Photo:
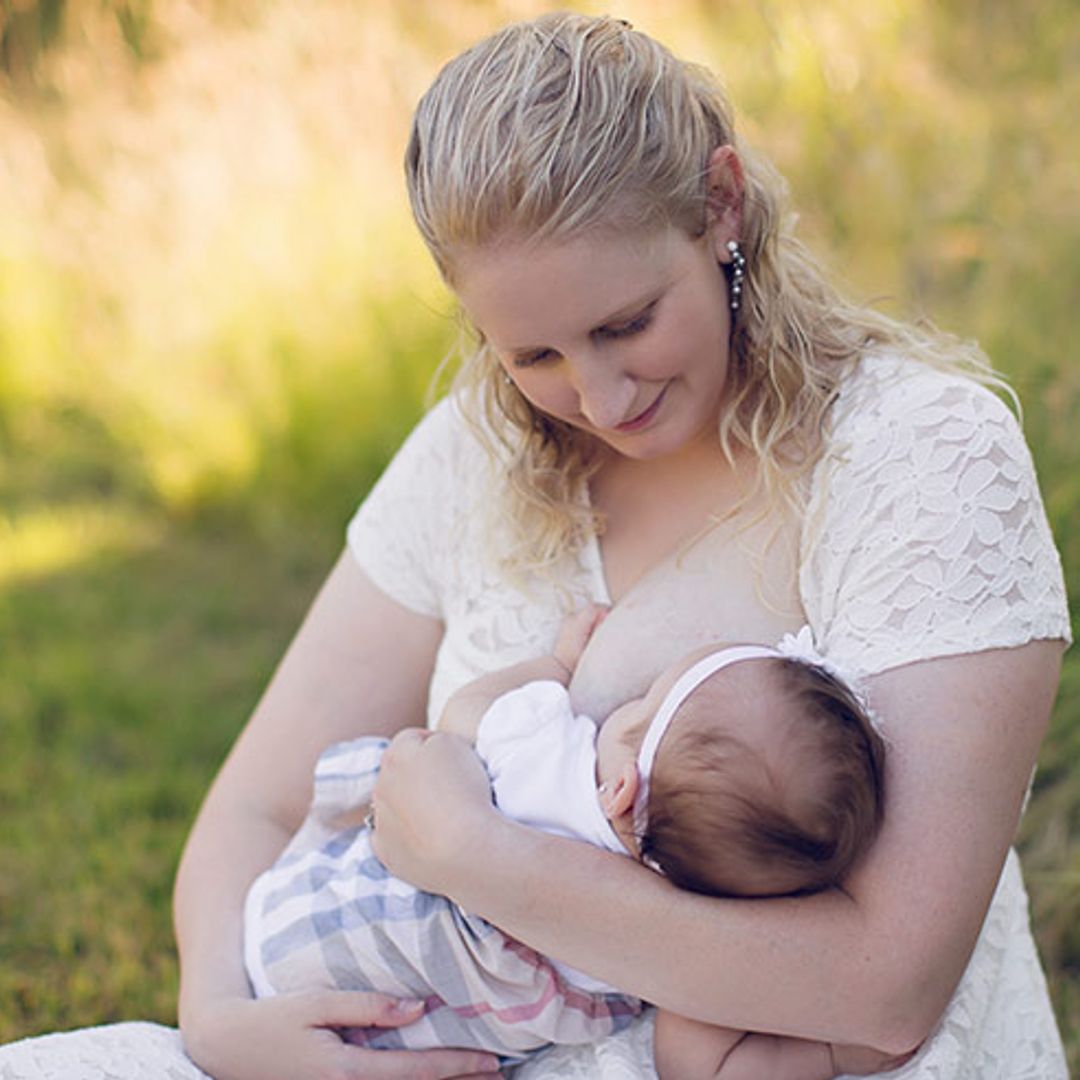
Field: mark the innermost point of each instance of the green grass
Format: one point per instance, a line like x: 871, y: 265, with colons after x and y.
x: 127, y: 666
x: 124, y: 682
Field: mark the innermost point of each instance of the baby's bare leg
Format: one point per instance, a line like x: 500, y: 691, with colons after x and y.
x: 690, y: 1050
x: 778, y: 1058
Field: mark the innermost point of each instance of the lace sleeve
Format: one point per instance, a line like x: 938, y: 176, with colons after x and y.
x: 926, y: 534
x: 401, y: 535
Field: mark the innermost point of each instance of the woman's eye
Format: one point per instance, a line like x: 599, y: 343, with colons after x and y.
x: 633, y: 326
x: 611, y: 332
x: 537, y: 357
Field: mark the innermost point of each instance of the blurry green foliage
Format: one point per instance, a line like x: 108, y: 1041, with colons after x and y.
x: 26, y: 31
x: 30, y: 29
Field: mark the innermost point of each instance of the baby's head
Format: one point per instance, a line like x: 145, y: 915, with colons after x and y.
x: 744, y: 773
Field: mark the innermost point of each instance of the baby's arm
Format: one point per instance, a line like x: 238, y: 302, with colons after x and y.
x: 691, y: 1050
x: 465, y: 708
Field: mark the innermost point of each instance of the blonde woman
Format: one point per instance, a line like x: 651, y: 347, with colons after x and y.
x: 667, y: 410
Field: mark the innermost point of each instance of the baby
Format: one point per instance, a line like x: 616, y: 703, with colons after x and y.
x: 744, y: 771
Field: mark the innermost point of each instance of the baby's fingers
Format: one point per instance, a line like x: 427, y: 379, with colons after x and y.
x: 575, y: 633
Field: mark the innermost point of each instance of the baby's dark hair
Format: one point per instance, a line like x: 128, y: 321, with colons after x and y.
x: 785, y: 800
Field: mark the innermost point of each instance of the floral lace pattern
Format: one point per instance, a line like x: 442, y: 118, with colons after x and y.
x: 110, y: 1052
x: 925, y: 536
x: 420, y: 535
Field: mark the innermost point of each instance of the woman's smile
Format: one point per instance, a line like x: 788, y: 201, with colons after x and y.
x: 646, y: 416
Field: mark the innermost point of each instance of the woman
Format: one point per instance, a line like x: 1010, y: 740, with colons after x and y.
x: 668, y: 410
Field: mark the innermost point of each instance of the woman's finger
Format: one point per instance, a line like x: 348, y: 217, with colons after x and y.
x: 357, y: 1008
x: 432, y: 797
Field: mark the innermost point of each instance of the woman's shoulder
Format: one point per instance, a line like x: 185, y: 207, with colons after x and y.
x: 445, y: 447
x: 412, y: 527
x: 926, y: 533
x: 894, y: 409
x: 893, y: 386
x: 444, y: 425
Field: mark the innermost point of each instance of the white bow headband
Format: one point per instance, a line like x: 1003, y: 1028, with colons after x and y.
x: 683, y: 687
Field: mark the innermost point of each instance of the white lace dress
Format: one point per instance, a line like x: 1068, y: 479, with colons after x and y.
x: 925, y: 537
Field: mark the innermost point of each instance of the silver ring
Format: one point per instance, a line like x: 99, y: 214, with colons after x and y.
x: 369, y: 817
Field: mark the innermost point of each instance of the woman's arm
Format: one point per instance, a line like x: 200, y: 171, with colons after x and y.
x: 360, y: 664
x: 873, y: 965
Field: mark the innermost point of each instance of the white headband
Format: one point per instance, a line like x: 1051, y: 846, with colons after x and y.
x: 684, y: 686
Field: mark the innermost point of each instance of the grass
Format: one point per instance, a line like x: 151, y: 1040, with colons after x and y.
x: 216, y: 324
x: 124, y: 680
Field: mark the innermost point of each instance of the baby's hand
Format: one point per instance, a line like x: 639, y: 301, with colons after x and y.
x: 575, y: 632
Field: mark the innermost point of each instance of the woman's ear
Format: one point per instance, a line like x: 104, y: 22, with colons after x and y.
x: 724, y: 199
x: 617, y: 795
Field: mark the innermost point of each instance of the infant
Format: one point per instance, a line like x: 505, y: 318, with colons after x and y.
x: 744, y: 771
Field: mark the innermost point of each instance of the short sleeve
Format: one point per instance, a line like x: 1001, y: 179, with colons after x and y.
x: 926, y: 534
x: 541, y: 758
x: 401, y: 536
x: 514, y: 721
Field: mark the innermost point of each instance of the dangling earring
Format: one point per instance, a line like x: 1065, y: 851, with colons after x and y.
x: 738, y: 273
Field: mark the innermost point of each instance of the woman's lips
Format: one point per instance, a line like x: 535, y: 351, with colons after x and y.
x: 643, y: 419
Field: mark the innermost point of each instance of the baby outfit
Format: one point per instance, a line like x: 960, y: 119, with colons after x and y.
x: 329, y: 914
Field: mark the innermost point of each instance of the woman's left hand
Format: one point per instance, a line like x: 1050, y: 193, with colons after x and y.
x: 432, y: 803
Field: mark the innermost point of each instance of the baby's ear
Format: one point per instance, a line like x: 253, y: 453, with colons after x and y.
x: 617, y: 796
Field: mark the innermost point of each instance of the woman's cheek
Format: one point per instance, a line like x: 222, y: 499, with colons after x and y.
x: 549, y: 397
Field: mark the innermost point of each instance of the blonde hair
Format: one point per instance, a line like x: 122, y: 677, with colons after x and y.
x: 568, y: 123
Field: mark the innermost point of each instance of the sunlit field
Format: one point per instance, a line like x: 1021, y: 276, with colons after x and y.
x: 216, y: 323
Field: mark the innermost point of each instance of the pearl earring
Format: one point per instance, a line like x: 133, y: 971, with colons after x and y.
x: 738, y: 273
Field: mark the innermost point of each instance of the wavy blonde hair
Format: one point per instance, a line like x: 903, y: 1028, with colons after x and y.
x: 566, y: 124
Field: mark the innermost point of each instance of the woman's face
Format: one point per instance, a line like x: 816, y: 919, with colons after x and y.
x: 623, y: 337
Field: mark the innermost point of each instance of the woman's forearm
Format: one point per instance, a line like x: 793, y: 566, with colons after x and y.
x: 227, y: 849
x: 359, y: 665
x: 793, y: 966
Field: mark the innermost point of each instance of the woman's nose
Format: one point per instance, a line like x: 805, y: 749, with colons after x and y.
x: 605, y: 393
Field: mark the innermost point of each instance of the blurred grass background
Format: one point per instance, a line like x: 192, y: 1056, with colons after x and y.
x: 216, y: 323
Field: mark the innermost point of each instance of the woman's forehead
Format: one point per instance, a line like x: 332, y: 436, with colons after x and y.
x: 515, y: 289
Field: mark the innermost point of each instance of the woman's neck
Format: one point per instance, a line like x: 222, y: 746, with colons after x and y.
x: 652, y: 508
